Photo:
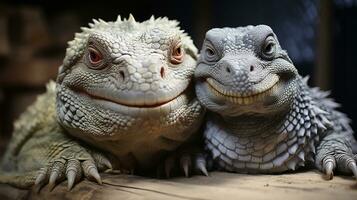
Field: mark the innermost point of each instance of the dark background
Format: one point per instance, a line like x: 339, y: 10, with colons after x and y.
x: 320, y: 36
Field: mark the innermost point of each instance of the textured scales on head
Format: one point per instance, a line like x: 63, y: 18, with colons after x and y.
x: 76, y: 46
x: 233, y: 54
x: 265, y: 117
x: 125, y: 87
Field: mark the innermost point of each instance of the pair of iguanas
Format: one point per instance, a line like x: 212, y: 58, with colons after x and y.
x: 125, y: 99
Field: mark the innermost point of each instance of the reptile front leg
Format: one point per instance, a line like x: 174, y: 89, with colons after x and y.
x: 73, y: 163
x: 335, y: 154
x: 59, y: 157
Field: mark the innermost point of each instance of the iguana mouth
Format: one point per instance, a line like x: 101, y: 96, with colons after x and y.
x: 164, y: 105
x: 122, y: 103
x: 263, y: 89
x: 155, y: 105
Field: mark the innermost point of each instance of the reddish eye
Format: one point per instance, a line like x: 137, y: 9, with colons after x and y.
x: 94, y: 56
x: 177, y: 54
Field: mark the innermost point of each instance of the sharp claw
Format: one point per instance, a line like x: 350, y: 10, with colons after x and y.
x: 201, y: 166
x: 52, y: 181
x: 94, y: 173
x: 38, y: 187
x: 40, y: 178
x: 71, y: 176
x: 353, y: 167
x: 329, y: 170
x: 329, y: 164
x: 185, y: 169
x: 107, y: 164
x: 185, y: 163
x: 39, y: 182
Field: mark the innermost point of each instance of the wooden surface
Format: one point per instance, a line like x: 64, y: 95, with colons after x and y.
x: 305, y: 185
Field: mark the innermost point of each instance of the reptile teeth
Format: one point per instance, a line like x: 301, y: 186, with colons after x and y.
x: 240, y: 99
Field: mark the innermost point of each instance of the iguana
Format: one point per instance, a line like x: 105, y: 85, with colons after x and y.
x: 263, y: 117
x: 123, y: 98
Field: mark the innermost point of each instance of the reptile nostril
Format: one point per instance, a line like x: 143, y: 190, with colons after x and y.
x: 228, y: 70
x: 122, y: 74
x: 251, y: 68
x: 162, y: 72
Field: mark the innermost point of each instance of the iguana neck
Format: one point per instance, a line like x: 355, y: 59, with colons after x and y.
x: 266, y: 144
x: 246, y: 125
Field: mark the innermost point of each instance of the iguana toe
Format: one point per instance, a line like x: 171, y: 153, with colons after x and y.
x: 52, y: 181
x: 71, y: 176
x: 201, y: 164
x: 73, y: 172
x: 328, y: 166
x: 353, y: 168
x: 188, y: 160
x: 57, y: 173
x: 346, y: 164
x: 90, y: 171
x: 40, y: 179
x: 340, y: 162
x: 186, y: 164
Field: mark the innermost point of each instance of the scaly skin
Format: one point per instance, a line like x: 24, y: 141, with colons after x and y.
x: 123, y: 98
x: 39, y: 143
x: 264, y: 117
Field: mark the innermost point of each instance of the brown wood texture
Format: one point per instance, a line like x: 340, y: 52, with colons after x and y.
x: 303, y: 185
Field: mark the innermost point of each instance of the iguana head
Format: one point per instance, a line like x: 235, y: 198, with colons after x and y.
x: 125, y: 75
x: 244, y: 71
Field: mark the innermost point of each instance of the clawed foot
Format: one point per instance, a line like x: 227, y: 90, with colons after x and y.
x: 335, y: 155
x: 72, y: 165
x: 186, y: 163
x: 340, y: 162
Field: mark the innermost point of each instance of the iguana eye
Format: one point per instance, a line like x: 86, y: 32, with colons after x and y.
x: 269, y: 47
x: 95, y: 57
x: 176, y: 54
x: 210, y: 54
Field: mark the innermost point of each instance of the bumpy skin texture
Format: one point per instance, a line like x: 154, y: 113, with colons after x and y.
x: 40, y: 149
x: 123, y: 98
x: 264, y: 117
x: 137, y: 96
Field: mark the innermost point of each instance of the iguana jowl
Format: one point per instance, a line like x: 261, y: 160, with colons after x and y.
x: 265, y: 118
x: 124, y: 89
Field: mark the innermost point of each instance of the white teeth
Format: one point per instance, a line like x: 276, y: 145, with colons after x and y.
x: 263, y: 86
x: 245, y: 99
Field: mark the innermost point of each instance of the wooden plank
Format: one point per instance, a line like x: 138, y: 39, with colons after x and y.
x: 304, y: 185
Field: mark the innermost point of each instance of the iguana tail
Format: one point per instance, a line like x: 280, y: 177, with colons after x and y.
x: 20, y: 180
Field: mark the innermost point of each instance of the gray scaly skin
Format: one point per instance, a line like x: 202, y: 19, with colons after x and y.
x: 264, y: 117
x: 123, y: 98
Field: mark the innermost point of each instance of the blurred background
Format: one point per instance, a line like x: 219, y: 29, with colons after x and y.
x: 320, y: 36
